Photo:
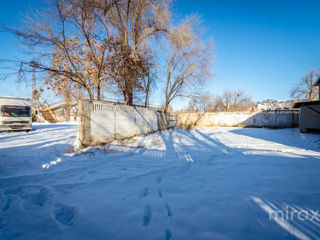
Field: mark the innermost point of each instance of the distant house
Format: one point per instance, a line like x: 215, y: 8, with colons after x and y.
x: 309, y: 117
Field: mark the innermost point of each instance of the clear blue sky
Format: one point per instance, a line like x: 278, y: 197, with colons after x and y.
x: 261, y: 47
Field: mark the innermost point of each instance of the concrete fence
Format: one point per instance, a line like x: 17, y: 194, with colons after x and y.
x: 104, y: 122
x: 271, y: 119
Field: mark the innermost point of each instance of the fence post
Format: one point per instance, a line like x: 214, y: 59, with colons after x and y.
x: 115, y: 120
x: 85, y: 126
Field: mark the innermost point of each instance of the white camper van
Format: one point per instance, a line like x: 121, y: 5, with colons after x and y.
x: 15, y: 114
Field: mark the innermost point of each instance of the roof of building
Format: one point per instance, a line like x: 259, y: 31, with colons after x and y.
x: 21, y: 103
x: 317, y: 83
x: 306, y: 103
x: 15, y: 98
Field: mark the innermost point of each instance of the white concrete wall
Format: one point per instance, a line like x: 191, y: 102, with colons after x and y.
x: 272, y: 119
x: 124, y: 122
x: 153, y: 120
x: 100, y: 114
x: 103, y: 122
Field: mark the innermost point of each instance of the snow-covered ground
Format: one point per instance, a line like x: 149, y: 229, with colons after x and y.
x: 209, y: 183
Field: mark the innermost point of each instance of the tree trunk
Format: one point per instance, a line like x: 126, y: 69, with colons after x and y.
x: 90, y: 94
x: 128, y: 94
x: 128, y: 98
x: 98, y: 92
x: 146, y: 102
x: 166, y: 106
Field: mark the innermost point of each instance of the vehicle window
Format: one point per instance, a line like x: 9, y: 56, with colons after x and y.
x: 15, y: 111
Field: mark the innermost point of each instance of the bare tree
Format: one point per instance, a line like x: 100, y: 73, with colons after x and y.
x: 189, y: 61
x: 305, y: 88
x: 193, y: 104
x: 227, y: 97
x: 133, y: 24
x: 148, y: 84
x: 240, y: 101
x: 65, y: 43
x: 218, y: 104
x: 87, y: 43
x: 200, y: 103
x: 228, y: 101
x: 205, y: 102
x: 232, y: 101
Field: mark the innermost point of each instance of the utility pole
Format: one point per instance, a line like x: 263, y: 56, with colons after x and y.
x: 34, y: 65
x: 34, y: 81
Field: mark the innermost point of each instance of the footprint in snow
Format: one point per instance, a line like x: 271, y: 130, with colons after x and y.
x: 169, y: 212
x: 167, y: 234
x: 159, y: 192
x: 144, y: 193
x: 65, y: 215
x: 3, y: 200
x: 147, y: 214
x: 92, y: 172
x: 31, y: 197
x: 158, y: 179
x: 7, y: 204
x: 41, y: 197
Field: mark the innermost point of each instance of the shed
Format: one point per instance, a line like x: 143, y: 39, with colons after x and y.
x: 317, y: 83
x: 309, y: 117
